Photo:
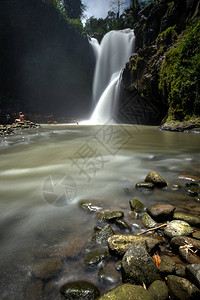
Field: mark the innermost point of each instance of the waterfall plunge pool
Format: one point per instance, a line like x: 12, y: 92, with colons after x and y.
x: 45, y: 172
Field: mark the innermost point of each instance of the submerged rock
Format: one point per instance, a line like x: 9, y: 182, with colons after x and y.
x: 156, y: 179
x: 127, y: 291
x: 161, y: 212
x: 144, y: 185
x: 136, y: 205
x: 177, y: 228
x: 102, y: 235
x: 182, y: 289
x: 34, y: 290
x: 148, y: 221
x: 120, y: 243
x: 79, y: 290
x: 192, y: 220
x: 138, y: 266
x: 47, y: 268
x: 109, y: 275
x: 93, y: 205
x: 94, y: 257
x: 158, y: 290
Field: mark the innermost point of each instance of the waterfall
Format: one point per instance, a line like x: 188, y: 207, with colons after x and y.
x: 111, y: 56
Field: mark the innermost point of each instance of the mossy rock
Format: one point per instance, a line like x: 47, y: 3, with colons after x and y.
x: 156, y: 179
x: 148, y: 221
x: 94, y: 257
x: 127, y: 291
x: 136, y: 205
x: 191, y: 219
x: 102, y: 235
x: 109, y: 216
x: 144, y: 185
x: 177, y: 228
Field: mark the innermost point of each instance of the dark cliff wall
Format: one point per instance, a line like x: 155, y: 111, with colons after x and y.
x: 147, y: 90
x: 45, y: 60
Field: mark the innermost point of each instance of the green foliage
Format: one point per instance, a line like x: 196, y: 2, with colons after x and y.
x: 168, y: 36
x: 180, y: 75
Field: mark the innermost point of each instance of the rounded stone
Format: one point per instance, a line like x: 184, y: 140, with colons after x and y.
x: 190, y: 219
x: 181, y: 288
x: 79, y: 290
x: 161, y: 212
x: 177, y: 228
x: 193, y: 273
x: 156, y: 179
x: 123, y: 225
x: 138, y: 267
x: 158, y: 290
x: 136, y: 205
x: 167, y: 265
x: 148, y: 221
x: 127, y: 291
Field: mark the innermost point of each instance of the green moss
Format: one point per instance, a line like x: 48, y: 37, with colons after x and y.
x: 136, y: 62
x: 179, y: 77
x: 168, y: 36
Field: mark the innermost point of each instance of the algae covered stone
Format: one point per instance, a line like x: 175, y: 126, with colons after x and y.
x: 144, y: 185
x: 177, y: 228
x: 156, y: 179
x: 138, y: 266
x: 136, y: 205
x: 94, y: 257
x: 148, y: 221
x: 191, y: 219
x: 127, y: 291
x: 79, y: 290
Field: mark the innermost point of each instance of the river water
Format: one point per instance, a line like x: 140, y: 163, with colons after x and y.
x: 45, y: 172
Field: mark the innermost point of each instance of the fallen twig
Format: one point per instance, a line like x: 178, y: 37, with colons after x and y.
x: 151, y: 229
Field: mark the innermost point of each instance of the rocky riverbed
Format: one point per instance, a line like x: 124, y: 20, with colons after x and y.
x: 161, y: 261
x: 8, y: 129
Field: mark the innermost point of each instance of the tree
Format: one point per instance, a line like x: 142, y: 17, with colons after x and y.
x: 74, y: 8
x: 117, y: 5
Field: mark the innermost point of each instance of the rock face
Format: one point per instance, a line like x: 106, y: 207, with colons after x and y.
x: 79, y: 290
x: 182, y: 289
x: 127, y: 291
x: 142, y: 100
x: 138, y: 267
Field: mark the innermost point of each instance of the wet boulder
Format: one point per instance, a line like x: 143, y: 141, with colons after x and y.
x: 79, y: 290
x: 190, y: 219
x: 119, y: 243
x: 148, y: 221
x: 136, y: 205
x: 161, y: 212
x: 181, y: 288
x: 138, y: 266
x: 177, y: 228
x: 156, y: 179
x: 123, y: 225
x: 158, y: 290
x: 127, y: 291
x: 102, y: 235
x: 96, y: 256
x: 109, y: 216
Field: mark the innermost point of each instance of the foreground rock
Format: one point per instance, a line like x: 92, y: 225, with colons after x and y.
x: 192, y: 220
x: 79, y: 290
x: 161, y: 212
x: 138, y: 267
x: 193, y: 273
x: 167, y: 265
x: 182, y: 289
x: 156, y: 179
x: 158, y: 290
x: 119, y: 243
x: 136, y: 205
x: 148, y: 221
x: 127, y: 291
x: 102, y: 235
x: 177, y: 228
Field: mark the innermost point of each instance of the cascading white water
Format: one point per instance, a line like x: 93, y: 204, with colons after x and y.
x: 111, y: 55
